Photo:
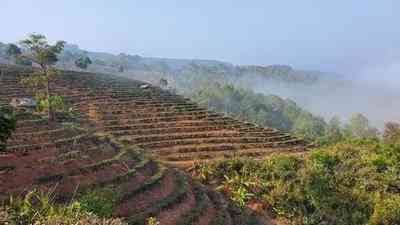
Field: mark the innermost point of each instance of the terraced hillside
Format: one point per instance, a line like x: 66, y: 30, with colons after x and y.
x: 121, y: 118
x: 169, y: 126
x: 73, y: 161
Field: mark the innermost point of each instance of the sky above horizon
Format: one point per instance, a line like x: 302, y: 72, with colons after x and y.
x: 342, y: 36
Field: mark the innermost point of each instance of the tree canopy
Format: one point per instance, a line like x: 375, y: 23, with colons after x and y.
x: 45, y: 55
x: 40, y: 51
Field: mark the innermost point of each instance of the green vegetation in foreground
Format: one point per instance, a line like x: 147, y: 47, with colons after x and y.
x: 39, y: 209
x: 349, y: 183
x: 273, y: 111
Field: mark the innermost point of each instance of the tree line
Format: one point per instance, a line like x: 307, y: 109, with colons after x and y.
x: 285, y: 114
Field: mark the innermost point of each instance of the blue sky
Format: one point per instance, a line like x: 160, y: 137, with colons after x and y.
x: 339, y: 36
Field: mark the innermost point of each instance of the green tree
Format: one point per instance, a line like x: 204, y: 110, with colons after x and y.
x: 83, y: 62
x: 359, y: 127
x: 391, y: 134
x: 7, y: 126
x: 333, y: 133
x: 43, y: 54
x: 309, y: 127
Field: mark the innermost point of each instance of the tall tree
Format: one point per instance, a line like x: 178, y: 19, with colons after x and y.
x: 40, y: 52
x: 359, y: 127
x: 391, y: 134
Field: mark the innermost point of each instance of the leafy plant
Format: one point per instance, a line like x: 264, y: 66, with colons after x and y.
x: 238, y: 188
x: 202, y: 171
x: 57, y: 104
x: 387, y: 211
x: 39, y: 208
x: 152, y: 221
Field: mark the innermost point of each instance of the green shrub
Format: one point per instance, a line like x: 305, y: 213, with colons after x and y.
x: 100, y: 202
x: 386, y: 211
x: 38, y: 208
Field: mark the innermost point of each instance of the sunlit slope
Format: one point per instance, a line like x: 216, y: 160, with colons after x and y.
x: 70, y: 160
x: 121, y: 120
x: 172, y: 128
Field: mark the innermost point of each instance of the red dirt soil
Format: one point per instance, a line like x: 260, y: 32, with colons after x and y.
x: 146, y: 198
x: 173, y: 214
x: 208, y: 215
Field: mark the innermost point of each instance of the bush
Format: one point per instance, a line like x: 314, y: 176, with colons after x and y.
x: 386, y: 211
x: 351, y: 183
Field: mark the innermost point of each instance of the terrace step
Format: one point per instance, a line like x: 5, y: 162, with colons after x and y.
x: 237, y: 139
x: 222, y: 214
x: 254, y: 153
x: 172, y: 207
x: 170, y: 129
x: 210, y: 147
x: 50, y: 165
x: 183, y: 123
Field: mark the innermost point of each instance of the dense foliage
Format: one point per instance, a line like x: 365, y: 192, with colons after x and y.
x: 271, y: 111
x: 354, y: 182
x: 7, y: 125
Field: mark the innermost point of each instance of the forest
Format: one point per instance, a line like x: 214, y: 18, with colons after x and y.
x: 283, y: 114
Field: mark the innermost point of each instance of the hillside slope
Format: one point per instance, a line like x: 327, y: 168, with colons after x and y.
x: 172, y: 129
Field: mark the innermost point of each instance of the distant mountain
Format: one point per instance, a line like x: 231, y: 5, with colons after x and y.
x: 124, y: 63
x: 106, y: 62
x: 324, y: 94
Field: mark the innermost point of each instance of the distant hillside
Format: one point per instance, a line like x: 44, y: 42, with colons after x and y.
x: 109, y: 63
x: 321, y: 93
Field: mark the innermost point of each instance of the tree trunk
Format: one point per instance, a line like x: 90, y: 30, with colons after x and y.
x: 48, y: 95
